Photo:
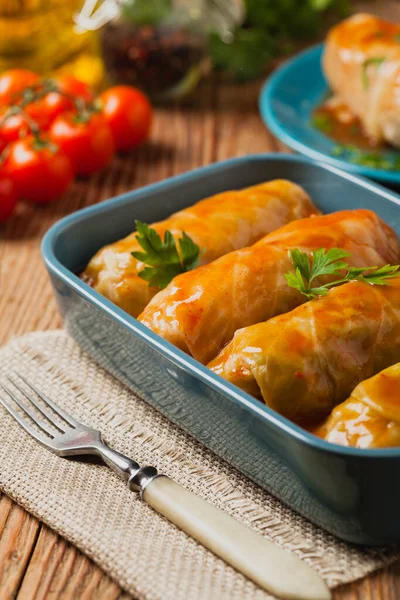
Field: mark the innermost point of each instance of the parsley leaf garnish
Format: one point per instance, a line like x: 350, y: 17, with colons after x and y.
x: 162, y: 259
x: 329, y: 262
x: 377, y: 60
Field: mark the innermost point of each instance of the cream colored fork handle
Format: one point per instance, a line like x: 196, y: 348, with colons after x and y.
x: 272, y: 568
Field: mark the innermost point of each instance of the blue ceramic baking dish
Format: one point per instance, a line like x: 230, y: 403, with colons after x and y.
x: 354, y: 494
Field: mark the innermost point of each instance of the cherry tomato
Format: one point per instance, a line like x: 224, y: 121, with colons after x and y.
x: 8, y: 197
x: 13, y: 128
x: 47, y: 109
x: 74, y: 87
x: 41, y: 172
x: 128, y: 113
x: 14, y: 81
x: 89, y: 145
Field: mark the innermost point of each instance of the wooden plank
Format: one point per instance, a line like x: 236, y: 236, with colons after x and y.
x: 18, y: 533
x: 381, y: 585
x: 57, y: 571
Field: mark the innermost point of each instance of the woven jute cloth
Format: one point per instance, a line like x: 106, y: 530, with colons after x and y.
x: 92, y: 508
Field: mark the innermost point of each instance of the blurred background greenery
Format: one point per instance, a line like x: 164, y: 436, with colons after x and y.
x: 272, y: 28
x: 161, y: 46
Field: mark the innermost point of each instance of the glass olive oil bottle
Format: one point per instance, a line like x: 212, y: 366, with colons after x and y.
x: 41, y: 35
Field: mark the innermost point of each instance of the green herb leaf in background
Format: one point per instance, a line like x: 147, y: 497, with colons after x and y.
x: 322, y: 122
x: 377, y: 60
x: 162, y: 259
x: 270, y: 29
x: 245, y: 57
x: 319, y: 5
x: 145, y: 12
x: 373, y: 160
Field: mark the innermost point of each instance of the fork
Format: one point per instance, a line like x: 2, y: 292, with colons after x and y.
x: 269, y: 566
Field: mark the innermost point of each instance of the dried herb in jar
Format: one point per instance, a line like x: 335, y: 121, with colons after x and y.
x: 153, y: 47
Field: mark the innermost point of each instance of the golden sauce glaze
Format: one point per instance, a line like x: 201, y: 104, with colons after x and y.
x: 199, y: 311
x: 309, y: 360
x: 370, y: 418
x: 218, y: 225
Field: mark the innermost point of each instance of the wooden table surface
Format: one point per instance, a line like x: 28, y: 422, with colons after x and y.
x: 36, y: 563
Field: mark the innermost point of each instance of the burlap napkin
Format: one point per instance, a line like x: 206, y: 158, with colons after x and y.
x: 93, y: 509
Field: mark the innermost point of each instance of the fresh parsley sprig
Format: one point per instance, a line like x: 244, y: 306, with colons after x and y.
x: 330, y: 262
x: 162, y: 258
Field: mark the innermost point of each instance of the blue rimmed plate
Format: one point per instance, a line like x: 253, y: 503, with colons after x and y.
x: 287, y: 101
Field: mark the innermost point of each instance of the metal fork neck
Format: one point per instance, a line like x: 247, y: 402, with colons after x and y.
x: 137, y: 478
x: 123, y: 466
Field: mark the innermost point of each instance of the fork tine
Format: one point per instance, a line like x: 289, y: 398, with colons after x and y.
x: 46, y: 413
x: 28, y: 411
x: 61, y: 413
x: 25, y: 425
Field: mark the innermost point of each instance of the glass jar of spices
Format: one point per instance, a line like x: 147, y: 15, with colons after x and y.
x: 158, y: 46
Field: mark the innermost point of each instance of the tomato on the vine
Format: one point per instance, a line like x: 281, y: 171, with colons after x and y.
x: 129, y: 115
x: 8, y: 197
x: 86, y: 139
x: 40, y: 170
x: 14, y: 81
x: 14, y: 127
x: 48, y: 108
x: 73, y: 87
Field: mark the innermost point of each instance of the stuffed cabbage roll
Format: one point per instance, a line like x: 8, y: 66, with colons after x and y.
x: 200, y: 311
x: 307, y: 361
x: 362, y: 65
x: 370, y: 418
x: 218, y: 225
